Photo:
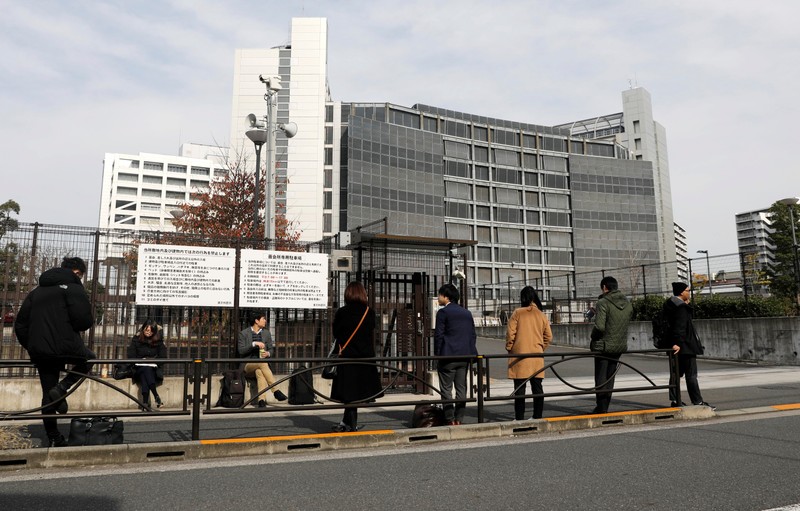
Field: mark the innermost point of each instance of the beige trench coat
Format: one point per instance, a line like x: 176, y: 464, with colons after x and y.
x: 528, y: 332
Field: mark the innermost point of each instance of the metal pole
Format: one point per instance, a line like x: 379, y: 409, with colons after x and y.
x: 197, y: 373
x: 480, y: 388
x: 269, y: 186
x: 256, y: 189
x: 710, y: 277
x: 795, y: 261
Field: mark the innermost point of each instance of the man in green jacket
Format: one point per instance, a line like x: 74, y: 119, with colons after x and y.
x: 609, y: 339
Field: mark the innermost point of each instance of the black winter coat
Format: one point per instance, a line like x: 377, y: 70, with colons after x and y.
x: 355, y: 382
x: 52, y: 316
x: 139, y: 348
x: 679, y: 316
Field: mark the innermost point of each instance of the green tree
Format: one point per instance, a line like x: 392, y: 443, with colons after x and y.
x: 7, y: 223
x: 781, y: 272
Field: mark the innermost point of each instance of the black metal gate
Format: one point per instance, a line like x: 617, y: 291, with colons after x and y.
x: 402, y: 305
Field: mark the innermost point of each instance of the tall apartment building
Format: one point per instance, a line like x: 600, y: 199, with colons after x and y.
x: 682, y: 253
x: 302, y: 66
x: 753, y: 229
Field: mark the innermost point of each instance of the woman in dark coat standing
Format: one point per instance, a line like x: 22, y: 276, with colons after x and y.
x: 148, y: 343
x: 355, y: 382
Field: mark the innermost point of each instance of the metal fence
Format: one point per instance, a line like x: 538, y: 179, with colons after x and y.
x: 567, y: 296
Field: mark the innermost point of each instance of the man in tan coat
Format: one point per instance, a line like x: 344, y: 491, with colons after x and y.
x: 528, y: 332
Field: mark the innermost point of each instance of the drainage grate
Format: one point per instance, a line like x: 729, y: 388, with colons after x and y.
x: 423, y: 437
x: 528, y: 429
x: 13, y: 463
x: 664, y: 417
x: 165, y: 454
x: 610, y: 422
x: 297, y: 447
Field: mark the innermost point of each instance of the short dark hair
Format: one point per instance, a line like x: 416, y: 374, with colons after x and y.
x: 254, y: 316
x: 450, y: 292
x: 609, y: 283
x: 355, y: 292
x: 74, y: 263
x: 529, y: 296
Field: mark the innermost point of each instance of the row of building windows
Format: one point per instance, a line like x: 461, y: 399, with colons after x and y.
x: 508, y: 236
x: 518, y: 256
x: 510, y: 196
x: 504, y: 175
x: 507, y: 215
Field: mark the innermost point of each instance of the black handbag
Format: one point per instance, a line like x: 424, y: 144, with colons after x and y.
x: 122, y: 371
x: 95, y: 431
x: 329, y: 372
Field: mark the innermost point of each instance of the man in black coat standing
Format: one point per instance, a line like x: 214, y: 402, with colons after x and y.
x: 685, y: 342
x: 454, y: 336
x: 49, y: 326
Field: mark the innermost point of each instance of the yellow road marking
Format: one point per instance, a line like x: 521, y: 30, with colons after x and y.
x: 309, y: 436
x: 612, y: 414
x: 795, y: 406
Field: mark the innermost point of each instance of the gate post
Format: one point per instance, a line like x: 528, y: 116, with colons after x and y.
x: 419, y: 330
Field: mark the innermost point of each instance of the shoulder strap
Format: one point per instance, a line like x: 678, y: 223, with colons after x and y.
x: 341, y: 349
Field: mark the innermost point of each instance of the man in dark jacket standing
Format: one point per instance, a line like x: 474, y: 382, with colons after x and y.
x: 49, y: 326
x: 609, y: 339
x: 685, y: 342
x: 454, y: 336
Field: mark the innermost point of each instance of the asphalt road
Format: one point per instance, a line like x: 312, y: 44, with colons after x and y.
x: 744, y: 463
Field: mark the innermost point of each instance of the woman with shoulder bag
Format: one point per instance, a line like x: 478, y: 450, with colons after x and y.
x: 148, y: 344
x: 353, y: 329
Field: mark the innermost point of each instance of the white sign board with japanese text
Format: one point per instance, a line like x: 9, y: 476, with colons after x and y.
x: 185, y: 276
x: 293, y: 280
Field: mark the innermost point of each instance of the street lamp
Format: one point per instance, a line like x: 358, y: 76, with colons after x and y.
x: 791, y: 202
x: 261, y: 132
x: 258, y: 135
x: 708, y: 268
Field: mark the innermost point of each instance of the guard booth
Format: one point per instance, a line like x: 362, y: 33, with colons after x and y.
x: 402, y: 275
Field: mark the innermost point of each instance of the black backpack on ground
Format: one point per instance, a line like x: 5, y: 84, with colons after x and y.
x: 301, y: 387
x: 232, y: 392
x: 661, y: 331
x: 427, y: 416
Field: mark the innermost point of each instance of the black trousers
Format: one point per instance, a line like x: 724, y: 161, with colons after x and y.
x: 605, y: 368
x: 351, y: 418
x: 519, y: 403
x: 687, y: 366
x: 49, y: 371
x: 146, y: 376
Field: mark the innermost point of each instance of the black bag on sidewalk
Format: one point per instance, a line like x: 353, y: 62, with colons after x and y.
x: 301, y: 387
x: 122, y: 371
x: 232, y: 389
x: 95, y: 431
x: 427, y: 416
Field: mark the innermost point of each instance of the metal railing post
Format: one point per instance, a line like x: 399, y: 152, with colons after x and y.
x: 676, y: 373
x: 197, y: 371
x: 480, y: 388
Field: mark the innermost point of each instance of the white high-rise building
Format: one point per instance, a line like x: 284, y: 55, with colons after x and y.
x: 302, y: 66
x: 646, y: 139
x: 139, y: 191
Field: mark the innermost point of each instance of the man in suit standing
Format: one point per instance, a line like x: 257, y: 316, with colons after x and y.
x: 454, y: 336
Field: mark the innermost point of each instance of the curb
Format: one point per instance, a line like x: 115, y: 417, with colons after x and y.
x: 225, y: 448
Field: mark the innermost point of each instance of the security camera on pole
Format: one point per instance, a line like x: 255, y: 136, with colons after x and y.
x: 262, y: 131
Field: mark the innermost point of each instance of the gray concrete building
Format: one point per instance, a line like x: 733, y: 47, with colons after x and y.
x: 543, y: 206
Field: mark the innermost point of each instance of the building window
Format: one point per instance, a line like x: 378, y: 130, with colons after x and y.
x: 176, y: 195
x: 507, y: 176
x: 507, y: 196
x: 456, y: 129
x: 532, y: 199
x: 458, y: 210
x: 153, y: 180
x: 456, y: 168
x: 532, y: 217
x: 122, y: 176
x: 530, y: 161
x: 456, y: 150
x: 482, y: 193
x: 636, y: 126
x: 508, y: 215
x: 481, y: 173
x: 481, y: 154
x: 150, y: 165
x: 202, y: 185
x: 201, y: 171
x: 559, y: 258
x: 329, y: 113
x: 329, y: 134
x: 327, y: 178
x: 151, y: 193
x: 480, y: 133
x: 637, y: 143
x: 124, y: 190
x: 535, y: 238
x: 134, y: 164
x: 458, y: 231
x: 483, y: 213
x: 327, y: 199
x: 553, y: 181
x: 531, y: 179
x: 430, y: 124
x: 220, y: 172
x: 506, y: 157
x: 484, y: 234
x: 556, y: 201
x: 554, y: 163
x: 484, y: 254
x: 559, y: 239
x: 556, y: 219
x: 509, y: 255
x: 327, y: 222
x: 534, y: 257
x: 456, y: 190
x: 505, y: 137
x: 509, y: 236
x: 328, y: 156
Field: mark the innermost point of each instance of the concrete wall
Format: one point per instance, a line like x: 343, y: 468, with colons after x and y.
x: 769, y: 341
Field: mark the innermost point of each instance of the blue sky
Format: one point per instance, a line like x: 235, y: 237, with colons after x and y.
x: 84, y: 78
